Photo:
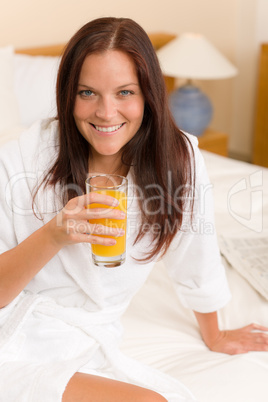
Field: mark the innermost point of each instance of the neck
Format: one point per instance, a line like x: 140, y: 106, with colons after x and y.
x: 107, y: 165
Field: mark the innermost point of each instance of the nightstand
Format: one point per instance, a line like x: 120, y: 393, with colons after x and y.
x: 214, y: 141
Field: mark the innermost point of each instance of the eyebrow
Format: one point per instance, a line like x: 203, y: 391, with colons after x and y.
x: 120, y: 87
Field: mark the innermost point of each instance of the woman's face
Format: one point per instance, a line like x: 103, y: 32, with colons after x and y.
x: 109, y: 104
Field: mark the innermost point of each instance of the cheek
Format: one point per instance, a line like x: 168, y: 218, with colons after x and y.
x: 135, y: 112
x: 81, y: 109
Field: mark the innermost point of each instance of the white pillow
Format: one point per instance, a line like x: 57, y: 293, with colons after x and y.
x: 9, y: 113
x: 35, y: 86
x: 10, y: 134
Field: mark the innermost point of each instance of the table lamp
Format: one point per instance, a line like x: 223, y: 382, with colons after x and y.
x: 192, y: 56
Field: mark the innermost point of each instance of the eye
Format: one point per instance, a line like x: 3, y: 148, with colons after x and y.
x: 86, y: 93
x: 126, y: 92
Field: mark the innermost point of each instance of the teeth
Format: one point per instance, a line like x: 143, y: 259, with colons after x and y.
x: 108, y: 129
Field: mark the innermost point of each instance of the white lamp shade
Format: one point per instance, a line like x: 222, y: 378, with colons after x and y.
x: 193, y: 56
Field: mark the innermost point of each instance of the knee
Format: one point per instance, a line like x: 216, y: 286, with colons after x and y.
x: 158, y: 398
x: 152, y: 396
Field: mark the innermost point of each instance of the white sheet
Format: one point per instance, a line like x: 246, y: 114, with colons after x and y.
x: 162, y: 333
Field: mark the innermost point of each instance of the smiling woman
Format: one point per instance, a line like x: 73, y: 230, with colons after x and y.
x: 116, y: 74
x: 109, y: 108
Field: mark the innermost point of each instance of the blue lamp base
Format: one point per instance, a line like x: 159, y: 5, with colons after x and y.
x: 191, y: 109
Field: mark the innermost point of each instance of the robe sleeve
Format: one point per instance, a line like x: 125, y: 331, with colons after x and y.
x: 7, y: 233
x: 193, y: 260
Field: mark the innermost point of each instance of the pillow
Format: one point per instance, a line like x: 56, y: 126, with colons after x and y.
x: 35, y: 86
x: 10, y: 134
x: 9, y: 112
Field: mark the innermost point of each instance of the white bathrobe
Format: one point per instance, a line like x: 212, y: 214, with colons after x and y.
x: 67, y: 319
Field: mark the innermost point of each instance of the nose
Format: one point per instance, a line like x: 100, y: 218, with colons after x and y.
x: 106, y: 108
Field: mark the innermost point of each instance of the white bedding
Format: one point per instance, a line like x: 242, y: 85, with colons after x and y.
x: 158, y: 330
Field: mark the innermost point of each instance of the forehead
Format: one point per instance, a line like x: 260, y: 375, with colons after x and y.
x: 111, y: 63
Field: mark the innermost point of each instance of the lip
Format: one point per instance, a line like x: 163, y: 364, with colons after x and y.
x: 106, y: 131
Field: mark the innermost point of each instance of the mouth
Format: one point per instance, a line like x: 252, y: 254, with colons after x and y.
x: 110, y: 129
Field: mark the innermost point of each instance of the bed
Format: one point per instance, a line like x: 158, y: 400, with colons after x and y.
x: 159, y: 331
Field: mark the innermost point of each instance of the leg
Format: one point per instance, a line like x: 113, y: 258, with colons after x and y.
x: 91, y: 388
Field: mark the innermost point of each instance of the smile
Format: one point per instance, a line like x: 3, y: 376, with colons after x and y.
x: 108, y: 129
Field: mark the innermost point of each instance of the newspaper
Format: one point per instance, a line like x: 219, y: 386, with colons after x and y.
x: 249, y: 256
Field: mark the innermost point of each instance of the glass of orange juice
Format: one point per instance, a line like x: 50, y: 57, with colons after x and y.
x: 116, y: 186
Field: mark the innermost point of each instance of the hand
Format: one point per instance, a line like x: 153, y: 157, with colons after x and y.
x: 72, y: 225
x: 241, y: 340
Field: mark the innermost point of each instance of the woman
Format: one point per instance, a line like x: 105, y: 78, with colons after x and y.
x: 60, y: 314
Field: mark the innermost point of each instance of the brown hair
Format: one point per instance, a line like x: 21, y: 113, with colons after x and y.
x: 159, y: 153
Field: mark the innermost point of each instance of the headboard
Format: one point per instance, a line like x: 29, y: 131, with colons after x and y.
x: 260, y: 152
x: 158, y: 40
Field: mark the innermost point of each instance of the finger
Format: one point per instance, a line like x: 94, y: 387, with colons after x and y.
x: 260, y: 337
x: 98, y: 213
x: 103, y: 241
x: 84, y: 227
x: 255, y: 327
x: 88, y: 238
x: 77, y: 204
x: 259, y: 327
x: 100, y: 199
x: 257, y: 347
x: 105, y: 230
x: 256, y: 342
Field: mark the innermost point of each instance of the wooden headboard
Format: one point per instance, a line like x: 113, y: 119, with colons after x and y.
x: 158, y: 40
x: 260, y: 151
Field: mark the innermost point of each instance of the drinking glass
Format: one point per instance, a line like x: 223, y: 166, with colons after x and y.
x: 115, y: 186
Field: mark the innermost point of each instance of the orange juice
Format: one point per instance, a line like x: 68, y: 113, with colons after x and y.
x: 119, y: 247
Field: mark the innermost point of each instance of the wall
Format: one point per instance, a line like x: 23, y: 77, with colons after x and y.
x: 262, y: 26
x: 26, y: 23
x: 245, y: 84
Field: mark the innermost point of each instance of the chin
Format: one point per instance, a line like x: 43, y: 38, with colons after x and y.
x: 108, y: 152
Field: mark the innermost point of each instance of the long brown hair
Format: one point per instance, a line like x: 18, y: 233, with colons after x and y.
x: 159, y: 153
